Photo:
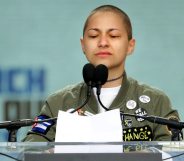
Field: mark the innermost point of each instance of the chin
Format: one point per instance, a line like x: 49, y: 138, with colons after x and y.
x: 100, y: 62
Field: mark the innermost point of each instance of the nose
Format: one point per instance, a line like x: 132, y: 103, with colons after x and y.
x: 103, y: 41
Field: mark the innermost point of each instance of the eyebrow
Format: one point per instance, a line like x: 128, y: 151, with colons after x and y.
x: 96, y: 29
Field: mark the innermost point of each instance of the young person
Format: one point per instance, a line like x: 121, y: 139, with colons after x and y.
x: 107, y: 39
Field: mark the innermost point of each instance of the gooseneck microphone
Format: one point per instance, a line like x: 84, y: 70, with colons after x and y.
x: 100, y: 78
x: 88, y: 76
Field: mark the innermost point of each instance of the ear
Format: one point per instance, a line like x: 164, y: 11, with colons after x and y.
x: 131, y: 46
x: 82, y: 44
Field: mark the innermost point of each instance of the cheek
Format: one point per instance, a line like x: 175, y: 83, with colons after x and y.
x: 122, y: 48
x: 119, y: 49
x: 89, y: 48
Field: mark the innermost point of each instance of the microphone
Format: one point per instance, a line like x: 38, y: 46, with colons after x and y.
x: 159, y: 120
x: 13, y: 126
x: 100, y: 78
x: 88, y: 76
x: 23, y: 122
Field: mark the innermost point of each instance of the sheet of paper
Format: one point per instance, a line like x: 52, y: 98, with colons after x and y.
x: 103, y: 127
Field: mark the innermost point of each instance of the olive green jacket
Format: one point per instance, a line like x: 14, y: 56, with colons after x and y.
x: 133, y: 98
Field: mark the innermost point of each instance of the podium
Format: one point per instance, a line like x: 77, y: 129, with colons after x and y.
x: 95, y: 157
x: 108, y: 151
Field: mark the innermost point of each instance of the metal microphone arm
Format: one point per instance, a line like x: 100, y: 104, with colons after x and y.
x: 159, y: 120
x: 14, y: 126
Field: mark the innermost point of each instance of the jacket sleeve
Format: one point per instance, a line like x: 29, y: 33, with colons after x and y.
x: 41, y: 132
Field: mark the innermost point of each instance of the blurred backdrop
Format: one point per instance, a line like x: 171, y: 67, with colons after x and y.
x: 40, y: 50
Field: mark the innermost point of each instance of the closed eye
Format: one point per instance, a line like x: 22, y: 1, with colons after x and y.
x: 114, y: 36
x: 93, y: 36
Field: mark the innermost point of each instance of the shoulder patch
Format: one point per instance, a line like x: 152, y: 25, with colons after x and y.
x: 42, y: 127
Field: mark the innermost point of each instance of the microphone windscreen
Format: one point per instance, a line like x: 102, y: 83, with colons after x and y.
x: 88, y: 72
x: 101, y: 74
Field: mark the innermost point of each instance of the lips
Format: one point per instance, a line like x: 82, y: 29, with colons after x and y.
x: 103, y: 53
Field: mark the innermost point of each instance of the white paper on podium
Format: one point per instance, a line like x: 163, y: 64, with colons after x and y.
x: 103, y: 127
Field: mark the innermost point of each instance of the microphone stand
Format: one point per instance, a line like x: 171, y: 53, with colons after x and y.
x: 14, y: 126
x: 89, y: 90
x: 86, y: 101
x: 160, y: 120
x: 99, y: 100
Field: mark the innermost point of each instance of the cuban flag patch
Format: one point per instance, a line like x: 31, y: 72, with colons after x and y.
x: 42, y: 127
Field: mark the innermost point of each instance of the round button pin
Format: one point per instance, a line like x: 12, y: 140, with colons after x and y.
x: 131, y: 104
x: 144, y: 99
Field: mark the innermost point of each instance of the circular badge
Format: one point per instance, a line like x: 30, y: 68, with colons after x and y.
x: 131, y: 104
x: 140, y: 112
x: 144, y: 99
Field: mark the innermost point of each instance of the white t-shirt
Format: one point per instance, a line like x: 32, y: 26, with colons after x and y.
x: 107, y: 96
